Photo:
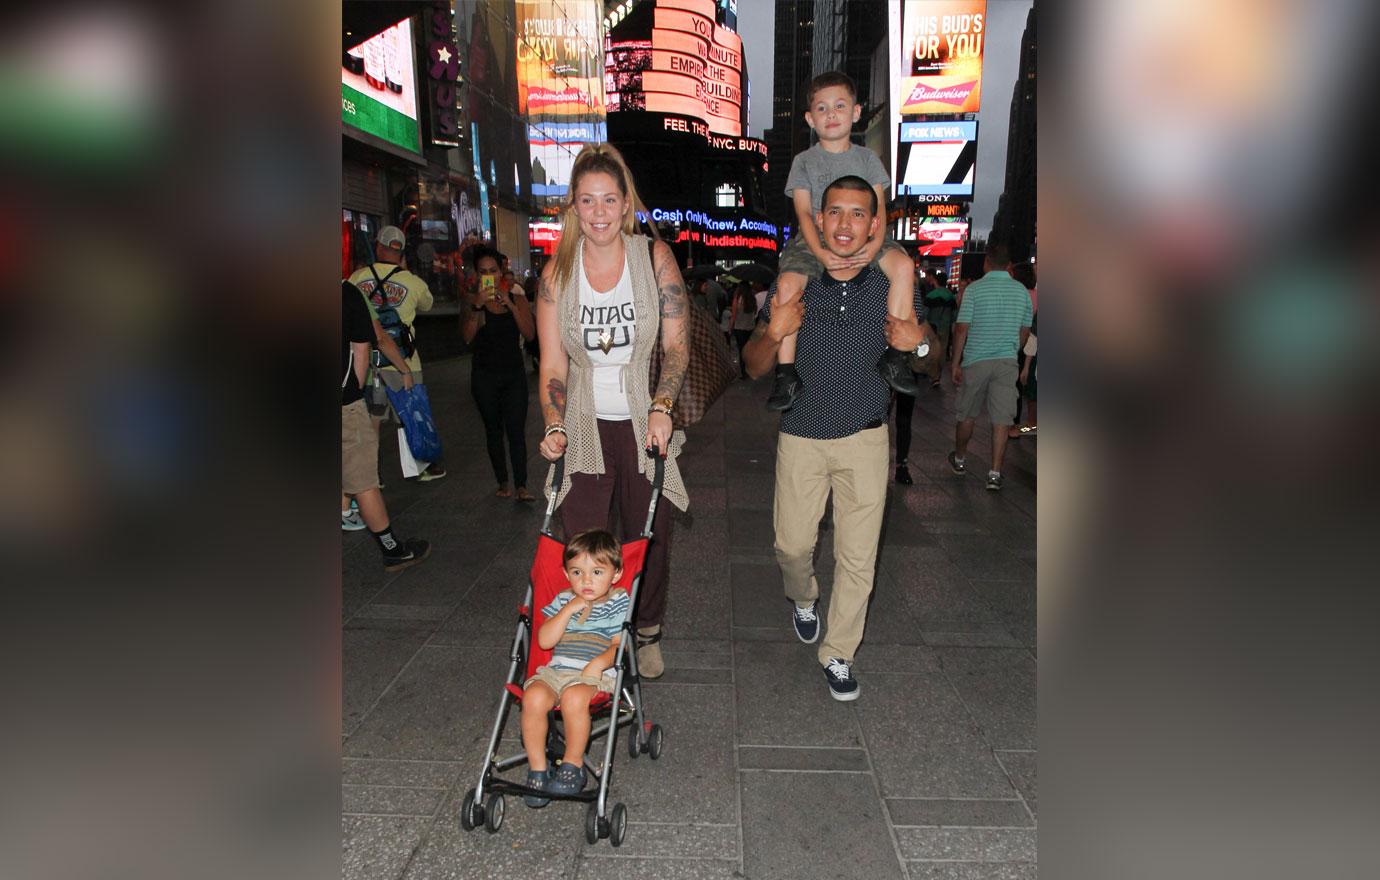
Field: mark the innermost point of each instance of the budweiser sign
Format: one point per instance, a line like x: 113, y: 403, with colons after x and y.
x: 939, y: 94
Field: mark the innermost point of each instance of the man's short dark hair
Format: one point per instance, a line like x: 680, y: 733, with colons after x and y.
x: 853, y: 182
x: 827, y: 81
x: 998, y: 254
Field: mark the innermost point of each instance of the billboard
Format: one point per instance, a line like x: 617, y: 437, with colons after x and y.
x: 936, y: 159
x: 560, y: 82
x: 560, y: 63
x: 691, y: 67
x: 943, y: 237
x: 941, y: 56
x: 378, y: 87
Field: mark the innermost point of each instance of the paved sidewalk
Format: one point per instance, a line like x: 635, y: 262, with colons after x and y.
x: 930, y: 774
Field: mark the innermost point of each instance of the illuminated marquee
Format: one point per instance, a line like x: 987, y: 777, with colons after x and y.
x: 701, y: 228
x: 695, y: 68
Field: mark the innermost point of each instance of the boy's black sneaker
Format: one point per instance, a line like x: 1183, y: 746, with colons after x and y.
x: 407, y: 554
x: 894, y: 368
x: 806, y: 621
x: 842, y: 685
x: 785, y: 389
x: 903, y: 475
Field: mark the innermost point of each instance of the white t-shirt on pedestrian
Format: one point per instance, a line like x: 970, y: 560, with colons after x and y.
x: 608, y: 328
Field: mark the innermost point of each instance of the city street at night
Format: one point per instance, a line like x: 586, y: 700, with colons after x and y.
x: 930, y: 774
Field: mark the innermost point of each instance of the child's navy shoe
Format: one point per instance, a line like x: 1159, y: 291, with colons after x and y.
x: 540, y: 780
x: 568, y: 779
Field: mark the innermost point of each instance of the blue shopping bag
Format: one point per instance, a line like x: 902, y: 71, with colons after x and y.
x: 414, y: 408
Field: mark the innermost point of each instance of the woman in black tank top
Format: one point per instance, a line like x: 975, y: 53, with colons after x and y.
x: 497, y: 319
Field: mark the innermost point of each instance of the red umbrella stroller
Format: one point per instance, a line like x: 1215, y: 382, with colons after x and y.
x: 484, y: 804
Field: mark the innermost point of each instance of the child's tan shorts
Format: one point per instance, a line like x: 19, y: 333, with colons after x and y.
x: 560, y: 679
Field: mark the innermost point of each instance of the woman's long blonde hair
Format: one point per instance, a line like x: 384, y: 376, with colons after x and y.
x: 593, y: 158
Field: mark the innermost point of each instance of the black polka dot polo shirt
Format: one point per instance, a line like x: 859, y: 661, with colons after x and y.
x: 842, y: 336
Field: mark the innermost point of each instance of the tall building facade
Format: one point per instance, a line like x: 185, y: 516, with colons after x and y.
x: 1014, y: 221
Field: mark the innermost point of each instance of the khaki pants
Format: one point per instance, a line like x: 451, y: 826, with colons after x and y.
x: 855, y: 468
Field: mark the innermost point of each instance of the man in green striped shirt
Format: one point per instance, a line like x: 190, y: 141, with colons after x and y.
x: 992, y: 325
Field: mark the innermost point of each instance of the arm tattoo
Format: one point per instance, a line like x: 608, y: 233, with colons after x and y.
x: 554, y: 409
x: 673, y: 365
x: 758, y: 331
x: 669, y: 289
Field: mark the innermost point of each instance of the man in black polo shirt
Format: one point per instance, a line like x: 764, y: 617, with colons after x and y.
x: 835, y: 438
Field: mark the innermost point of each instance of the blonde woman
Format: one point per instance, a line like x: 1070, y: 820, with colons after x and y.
x: 607, y: 299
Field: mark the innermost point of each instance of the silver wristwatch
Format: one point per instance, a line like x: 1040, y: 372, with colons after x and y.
x: 922, y: 349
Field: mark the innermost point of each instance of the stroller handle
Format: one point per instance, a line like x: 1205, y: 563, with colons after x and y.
x: 659, y: 464
x: 557, y: 476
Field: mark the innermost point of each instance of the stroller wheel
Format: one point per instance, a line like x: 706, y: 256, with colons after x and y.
x: 592, y: 824
x: 471, y: 813
x: 618, y: 822
x: 655, y: 742
x: 634, y: 742
x: 493, y: 811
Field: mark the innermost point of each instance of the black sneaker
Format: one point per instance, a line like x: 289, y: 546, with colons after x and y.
x: 806, y: 621
x: 903, y: 475
x: 993, y: 481
x: 842, y: 685
x: 537, y: 779
x: 407, y: 554
x: 894, y: 368
x: 957, y: 465
x: 785, y: 389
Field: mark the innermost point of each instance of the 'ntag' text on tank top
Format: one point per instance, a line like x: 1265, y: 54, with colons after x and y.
x: 607, y: 327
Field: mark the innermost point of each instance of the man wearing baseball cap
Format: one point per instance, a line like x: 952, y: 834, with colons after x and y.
x: 396, y: 295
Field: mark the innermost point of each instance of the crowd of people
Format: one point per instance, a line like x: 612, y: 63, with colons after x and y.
x: 848, y: 330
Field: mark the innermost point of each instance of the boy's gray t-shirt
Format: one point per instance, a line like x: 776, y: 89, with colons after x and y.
x: 816, y: 168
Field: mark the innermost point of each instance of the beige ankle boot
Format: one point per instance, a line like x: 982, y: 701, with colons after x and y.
x: 649, y: 661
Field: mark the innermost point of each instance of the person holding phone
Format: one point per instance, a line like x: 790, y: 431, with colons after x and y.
x: 496, y: 321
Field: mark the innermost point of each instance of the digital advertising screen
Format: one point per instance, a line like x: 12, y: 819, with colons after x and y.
x: 942, y: 237
x: 560, y: 62
x: 378, y: 87
x: 560, y: 78
x: 936, y: 159
x: 691, y: 67
x: 941, y: 56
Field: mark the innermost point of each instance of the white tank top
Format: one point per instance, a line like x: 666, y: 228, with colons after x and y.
x: 608, y: 328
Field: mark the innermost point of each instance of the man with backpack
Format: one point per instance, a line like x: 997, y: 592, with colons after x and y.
x: 397, y: 295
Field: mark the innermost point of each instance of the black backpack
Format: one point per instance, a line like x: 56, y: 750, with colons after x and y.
x: 389, y: 318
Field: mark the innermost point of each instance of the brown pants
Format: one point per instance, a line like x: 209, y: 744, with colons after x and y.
x: 594, y: 498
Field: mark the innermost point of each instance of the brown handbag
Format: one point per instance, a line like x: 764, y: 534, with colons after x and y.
x: 710, y: 369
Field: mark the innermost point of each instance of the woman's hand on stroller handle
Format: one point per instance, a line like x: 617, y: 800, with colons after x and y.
x: 658, y: 433
x: 553, y: 445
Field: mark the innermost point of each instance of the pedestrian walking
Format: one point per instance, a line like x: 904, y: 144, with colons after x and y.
x: 834, y: 440
x: 606, y: 300
x: 497, y: 319
x: 992, y: 325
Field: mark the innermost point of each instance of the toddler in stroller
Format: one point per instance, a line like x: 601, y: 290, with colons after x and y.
x: 582, y: 632
x: 573, y: 670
